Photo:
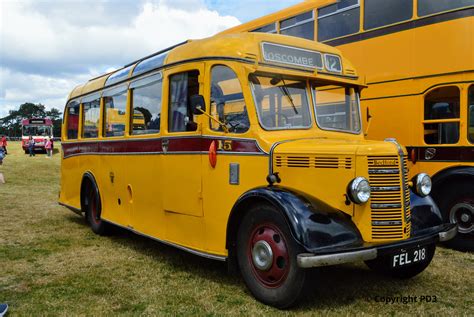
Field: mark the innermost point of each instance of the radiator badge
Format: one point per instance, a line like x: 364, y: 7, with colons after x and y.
x: 385, y: 162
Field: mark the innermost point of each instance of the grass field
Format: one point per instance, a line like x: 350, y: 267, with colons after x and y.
x: 52, y: 264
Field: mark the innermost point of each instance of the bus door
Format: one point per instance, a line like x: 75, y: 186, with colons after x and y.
x: 182, y: 144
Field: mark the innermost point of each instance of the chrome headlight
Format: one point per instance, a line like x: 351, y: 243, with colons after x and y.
x: 359, y: 190
x: 422, y: 184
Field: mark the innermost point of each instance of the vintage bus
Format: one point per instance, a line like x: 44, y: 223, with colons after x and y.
x: 251, y: 152
x: 417, y: 58
x: 38, y: 128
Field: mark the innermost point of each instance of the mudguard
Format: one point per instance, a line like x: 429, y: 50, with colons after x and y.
x: 315, y: 225
x: 425, y: 214
x: 445, y: 175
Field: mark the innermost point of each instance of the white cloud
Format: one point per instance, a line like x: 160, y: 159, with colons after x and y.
x: 46, y: 47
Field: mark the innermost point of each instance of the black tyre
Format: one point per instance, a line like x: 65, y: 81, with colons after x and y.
x: 266, y: 254
x: 93, y: 208
x: 383, y: 265
x: 457, y: 206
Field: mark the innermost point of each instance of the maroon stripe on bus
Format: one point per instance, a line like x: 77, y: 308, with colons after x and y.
x: 443, y: 153
x: 175, y: 145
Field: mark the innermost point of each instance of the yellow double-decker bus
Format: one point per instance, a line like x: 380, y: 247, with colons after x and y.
x: 248, y: 149
x: 417, y: 58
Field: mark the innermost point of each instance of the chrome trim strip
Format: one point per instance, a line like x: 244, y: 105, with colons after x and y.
x: 386, y: 223
x: 385, y: 189
x: 448, y: 235
x: 384, y: 206
x: 404, y: 172
x: 192, y: 251
x: 307, y: 260
x: 338, y: 11
x: 384, y: 171
x: 167, y: 153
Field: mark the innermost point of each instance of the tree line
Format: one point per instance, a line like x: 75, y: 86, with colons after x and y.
x: 11, y: 124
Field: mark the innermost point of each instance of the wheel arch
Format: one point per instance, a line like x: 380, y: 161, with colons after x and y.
x: 313, y: 224
x: 449, y: 176
x: 88, y: 179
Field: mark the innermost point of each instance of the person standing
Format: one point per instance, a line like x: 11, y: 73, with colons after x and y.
x: 49, y: 147
x: 3, y: 144
x: 31, y: 146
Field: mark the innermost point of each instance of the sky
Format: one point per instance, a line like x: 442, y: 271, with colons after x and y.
x: 47, y: 47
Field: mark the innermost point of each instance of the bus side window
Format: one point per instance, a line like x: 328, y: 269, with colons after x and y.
x: 301, y: 25
x: 427, y: 7
x: 72, y: 120
x: 338, y: 19
x: 442, y: 104
x: 146, y: 103
x: 115, y: 111
x: 471, y: 114
x: 90, y: 121
x: 227, y: 101
x: 378, y: 14
x: 182, y: 87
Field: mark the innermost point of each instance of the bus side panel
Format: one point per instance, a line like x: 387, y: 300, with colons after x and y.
x: 220, y: 196
x: 111, y: 173
x: 445, y: 47
x: 146, y: 199
x: 71, y: 179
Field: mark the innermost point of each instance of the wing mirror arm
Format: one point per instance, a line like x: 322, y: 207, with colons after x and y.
x: 369, y: 120
x: 198, y: 106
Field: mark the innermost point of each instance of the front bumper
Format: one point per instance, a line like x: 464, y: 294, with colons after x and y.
x: 440, y: 233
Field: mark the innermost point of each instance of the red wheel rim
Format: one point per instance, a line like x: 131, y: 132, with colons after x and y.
x: 272, y: 270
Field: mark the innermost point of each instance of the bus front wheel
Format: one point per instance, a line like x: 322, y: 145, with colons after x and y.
x: 457, y: 205
x: 266, y: 254
x: 93, y: 211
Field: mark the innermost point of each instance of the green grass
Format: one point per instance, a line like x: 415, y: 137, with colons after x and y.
x: 52, y: 264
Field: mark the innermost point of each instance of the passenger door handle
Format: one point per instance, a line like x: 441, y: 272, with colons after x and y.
x: 164, y: 145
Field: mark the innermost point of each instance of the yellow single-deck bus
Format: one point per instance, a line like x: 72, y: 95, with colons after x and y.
x: 251, y: 151
x: 417, y: 58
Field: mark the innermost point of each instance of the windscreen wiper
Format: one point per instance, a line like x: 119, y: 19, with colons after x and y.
x: 285, y: 90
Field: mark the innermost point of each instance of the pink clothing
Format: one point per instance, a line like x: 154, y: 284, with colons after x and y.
x: 48, y: 145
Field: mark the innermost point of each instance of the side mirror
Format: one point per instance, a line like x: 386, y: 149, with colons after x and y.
x: 198, y: 105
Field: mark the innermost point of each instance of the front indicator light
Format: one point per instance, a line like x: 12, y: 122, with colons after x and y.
x: 359, y: 190
x: 422, y: 184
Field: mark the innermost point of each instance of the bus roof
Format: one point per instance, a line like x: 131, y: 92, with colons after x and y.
x: 245, y: 47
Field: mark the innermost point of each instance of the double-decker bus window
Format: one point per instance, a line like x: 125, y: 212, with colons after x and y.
x: 427, y: 7
x: 146, y: 102
x: 115, y: 106
x: 281, y: 103
x: 301, y: 25
x: 227, y: 101
x: 380, y: 13
x: 471, y: 114
x: 442, y: 119
x: 269, y: 28
x: 72, y: 120
x: 339, y: 19
x: 337, y: 108
x: 90, y: 119
x: 182, y: 87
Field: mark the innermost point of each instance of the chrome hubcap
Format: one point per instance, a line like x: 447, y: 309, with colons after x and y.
x: 462, y: 214
x: 262, y: 255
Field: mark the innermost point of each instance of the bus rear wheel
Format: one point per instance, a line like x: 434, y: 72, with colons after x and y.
x: 266, y: 254
x: 93, y: 209
x: 457, y: 206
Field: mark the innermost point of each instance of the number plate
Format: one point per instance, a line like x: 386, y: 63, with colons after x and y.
x: 409, y: 257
